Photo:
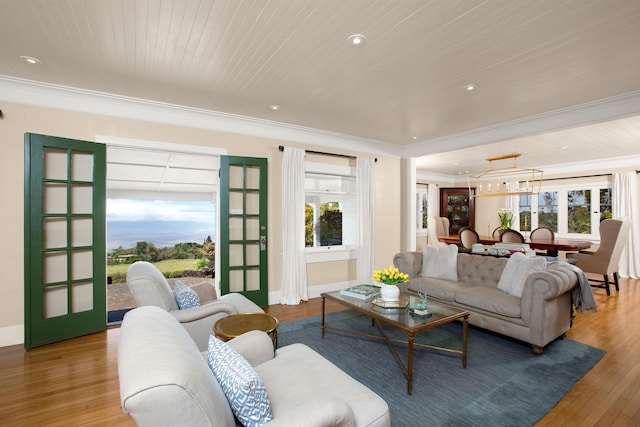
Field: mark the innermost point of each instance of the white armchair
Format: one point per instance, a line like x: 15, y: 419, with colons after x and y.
x: 149, y: 287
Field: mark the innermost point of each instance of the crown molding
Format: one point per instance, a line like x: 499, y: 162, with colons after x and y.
x: 606, y: 109
x: 29, y: 92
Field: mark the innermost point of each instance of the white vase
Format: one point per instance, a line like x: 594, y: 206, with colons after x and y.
x: 389, y: 292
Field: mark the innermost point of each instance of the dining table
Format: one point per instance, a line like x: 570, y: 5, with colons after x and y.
x: 551, y: 246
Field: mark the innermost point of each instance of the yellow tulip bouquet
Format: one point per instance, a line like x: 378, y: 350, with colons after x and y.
x: 390, y: 276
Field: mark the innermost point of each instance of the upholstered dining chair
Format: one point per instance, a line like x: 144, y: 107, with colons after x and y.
x: 614, y: 234
x: 511, y: 236
x: 496, y: 233
x: 542, y: 233
x: 468, y: 237
x: 438, y: 226
x: 149, y: 287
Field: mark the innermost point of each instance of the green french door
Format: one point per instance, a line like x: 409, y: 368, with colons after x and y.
x: 243, y: 227
x: 65, y: 250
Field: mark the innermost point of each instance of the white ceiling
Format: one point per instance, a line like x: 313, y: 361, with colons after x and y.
x: 404, y: 87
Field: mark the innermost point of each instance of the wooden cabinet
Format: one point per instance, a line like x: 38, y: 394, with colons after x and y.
x: 458, y: 204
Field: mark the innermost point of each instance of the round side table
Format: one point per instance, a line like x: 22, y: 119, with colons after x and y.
x: 237, y: 324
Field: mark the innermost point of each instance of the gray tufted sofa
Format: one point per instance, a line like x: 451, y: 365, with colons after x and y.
x: 541, y: 315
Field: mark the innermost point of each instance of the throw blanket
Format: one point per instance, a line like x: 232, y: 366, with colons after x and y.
x: 582, y: 294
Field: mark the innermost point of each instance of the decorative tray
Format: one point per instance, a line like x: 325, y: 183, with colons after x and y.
x: 401, y: 303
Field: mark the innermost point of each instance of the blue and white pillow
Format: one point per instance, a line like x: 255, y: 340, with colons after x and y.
x: 240, y: 383
x: 185, y: 296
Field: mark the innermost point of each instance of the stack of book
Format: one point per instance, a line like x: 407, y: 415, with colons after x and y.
x: 361, y: 292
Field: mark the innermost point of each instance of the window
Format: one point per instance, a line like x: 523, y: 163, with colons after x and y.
x: 570, y: 211
x: 525, y: 212
x: 422, y: 214
x: 605, y: 203
x: 548, y: 210
x: 330, y: 206
x: 579, y: 211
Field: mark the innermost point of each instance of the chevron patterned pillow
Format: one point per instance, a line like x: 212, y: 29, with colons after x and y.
x: 240, y: 383
x: 185, y: 296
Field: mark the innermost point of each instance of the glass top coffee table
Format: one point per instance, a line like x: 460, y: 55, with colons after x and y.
x: 237, y: 324
x: 401, y: 318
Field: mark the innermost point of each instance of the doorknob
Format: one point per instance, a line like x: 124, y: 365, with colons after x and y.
x: 263, y: 242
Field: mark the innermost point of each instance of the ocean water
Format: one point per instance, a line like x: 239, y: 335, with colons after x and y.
x: 160, y: 233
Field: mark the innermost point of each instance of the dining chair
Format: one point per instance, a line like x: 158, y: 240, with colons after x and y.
x: 496, y: 233
x: 468, y: 237
x: 614, y: 234
x: 511, y: 236
x: 542, y: 233
x: 438, y: 226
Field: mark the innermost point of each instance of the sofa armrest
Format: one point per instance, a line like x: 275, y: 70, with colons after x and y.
x: 546, y: 304
x: 409, y: 263
x: 205, y: 290
x: 255, y: 346
x: 329, y: 412
x: 205, y: 310
x: 551, y: 283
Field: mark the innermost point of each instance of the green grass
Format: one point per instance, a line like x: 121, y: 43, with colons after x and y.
x: 167, y: 267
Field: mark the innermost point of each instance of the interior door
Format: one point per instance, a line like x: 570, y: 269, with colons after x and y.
x: 243, y: 227
x: 65, y: 251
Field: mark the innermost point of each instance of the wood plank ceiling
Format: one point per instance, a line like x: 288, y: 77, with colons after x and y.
x: 405, y: 85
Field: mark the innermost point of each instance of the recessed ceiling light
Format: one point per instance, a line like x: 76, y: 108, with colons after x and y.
x: 414, y: 137
x: 357, y: 39
x: 274, y: 107
x: 31, y: 60
x: 470, y: 88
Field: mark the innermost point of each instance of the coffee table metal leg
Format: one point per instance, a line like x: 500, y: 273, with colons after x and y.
x: 465, y: 324
x: 410, y: 363
x: 322, y: 325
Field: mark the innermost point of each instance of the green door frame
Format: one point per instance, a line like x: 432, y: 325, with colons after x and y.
x: 243, y: 228
x: 72, y: 270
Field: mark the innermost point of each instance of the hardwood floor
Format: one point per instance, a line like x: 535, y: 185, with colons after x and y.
x: 76, y: 382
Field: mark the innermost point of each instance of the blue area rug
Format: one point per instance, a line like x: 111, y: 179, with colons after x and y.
x: 504, y: 384
x: 116, y: 316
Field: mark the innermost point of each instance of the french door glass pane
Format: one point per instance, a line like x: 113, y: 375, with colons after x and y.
x: 55, y: 164
x: 54, y: 233
x: 55, y: 301
x: 54, y: 198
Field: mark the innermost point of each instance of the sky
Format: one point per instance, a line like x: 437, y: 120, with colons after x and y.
x: 161, y: 222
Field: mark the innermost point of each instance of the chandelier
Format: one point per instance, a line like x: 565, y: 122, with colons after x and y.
x: 506, y: 181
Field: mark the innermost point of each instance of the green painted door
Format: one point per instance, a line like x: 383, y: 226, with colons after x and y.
x: 65, y: 250
x: 243, y: 227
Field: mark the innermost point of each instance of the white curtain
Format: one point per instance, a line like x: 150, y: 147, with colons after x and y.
x: 433, y: 211
x: 625, y: 204
x: 294, y: 266
x: 365, y: 195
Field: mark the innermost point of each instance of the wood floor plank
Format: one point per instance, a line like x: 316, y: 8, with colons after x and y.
x: 75, y: 382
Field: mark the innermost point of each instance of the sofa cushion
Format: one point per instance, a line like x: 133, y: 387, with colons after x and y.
x: 241, y: 384
x: 440, y: 262
x: 490, y: 300
x: 185, y: 296
x: 444, y: 290
x: 480, y: 270
x: 299, y: 375
x: 516, y: 271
